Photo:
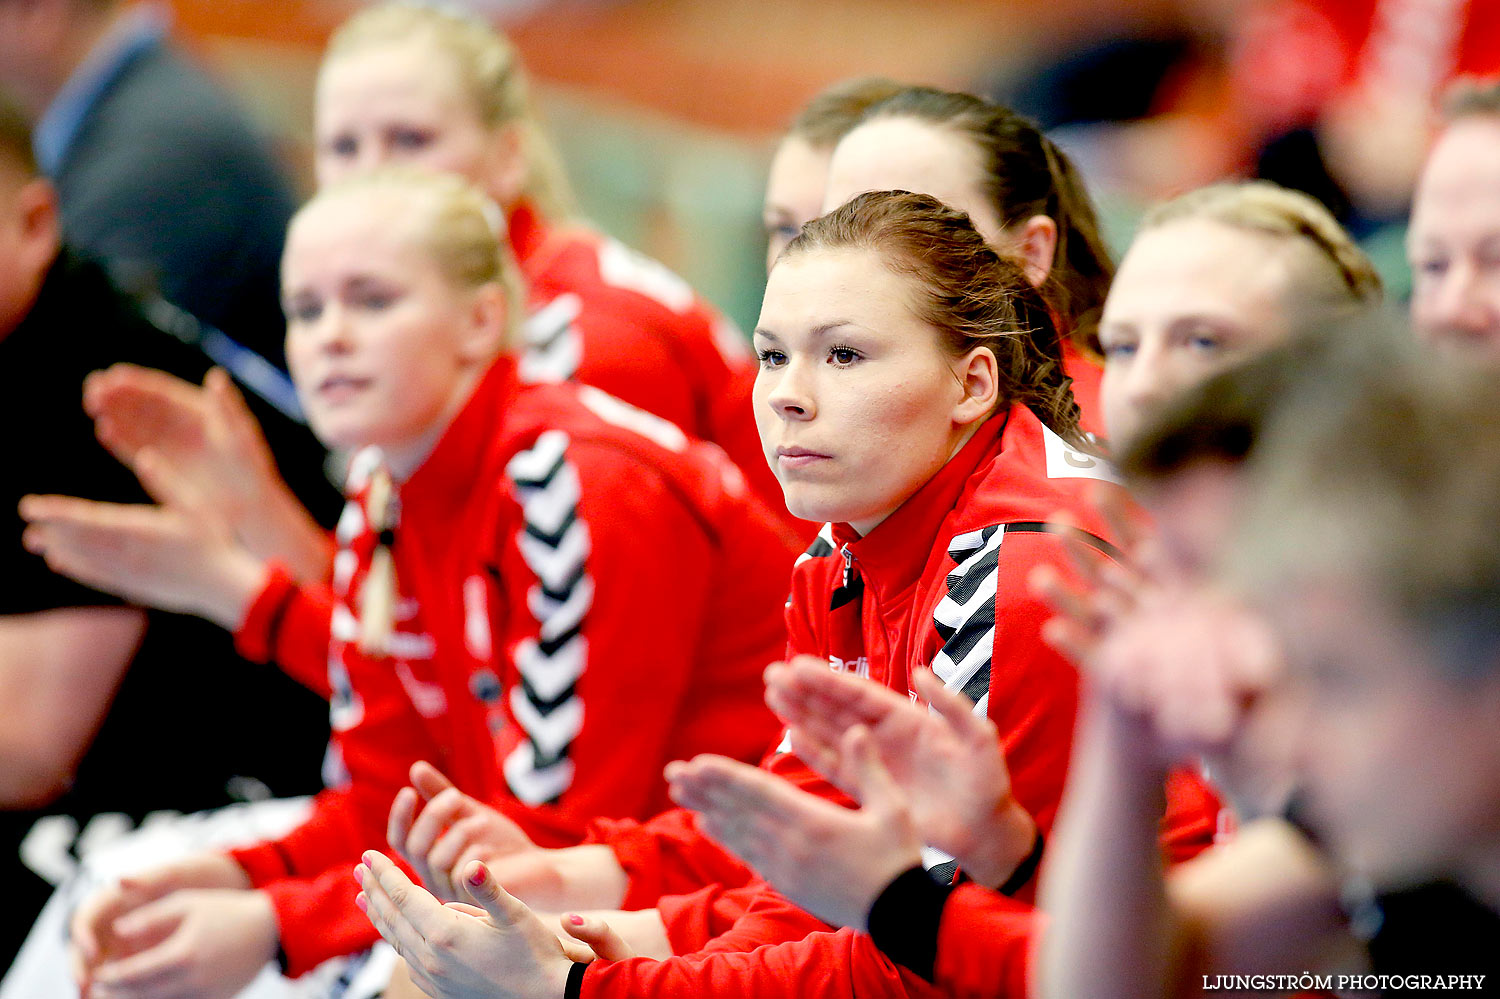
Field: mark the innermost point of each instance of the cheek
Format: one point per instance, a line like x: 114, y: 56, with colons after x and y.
x: 906, y: 428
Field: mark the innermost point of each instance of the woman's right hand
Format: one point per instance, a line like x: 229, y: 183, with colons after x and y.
x: 151, y: 555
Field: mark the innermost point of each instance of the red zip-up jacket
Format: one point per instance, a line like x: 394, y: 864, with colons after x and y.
x: 585, y: 593
x: 608, y: 316
x: 939, y: 583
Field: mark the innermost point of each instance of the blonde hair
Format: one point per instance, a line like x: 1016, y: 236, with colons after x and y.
x: 1259, y: 206
x: 489, y: 70
x: 459, y: 227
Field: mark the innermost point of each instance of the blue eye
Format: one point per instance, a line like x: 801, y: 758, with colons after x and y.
x: 1205, y: 343
x: 344, y: 147
x: 1118, y: 351
x: 770, y: 358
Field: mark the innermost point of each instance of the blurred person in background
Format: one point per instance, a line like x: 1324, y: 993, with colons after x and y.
x: 158, y: 172
x: 1213, y: 277
x: 1454, y: 240
x: 1331, y: 97
x: 403, y: 83
x: 434, y: 88
x: 799, y: 166
x: 100, y: 697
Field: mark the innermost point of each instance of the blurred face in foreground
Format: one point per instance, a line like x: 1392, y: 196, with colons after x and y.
x: 1453, y: 243
x: 1191, y: 298
x: 857, y: 402
x: 1399, y: 755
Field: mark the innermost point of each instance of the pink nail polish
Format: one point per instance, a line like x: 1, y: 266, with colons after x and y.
x: 362, y: 903
x: 477, y: 878
x: 575, y: 919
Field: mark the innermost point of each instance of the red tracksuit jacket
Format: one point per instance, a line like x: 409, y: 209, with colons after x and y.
x: 585, y: 594
x: 940, y: 583
x: 608, y: 316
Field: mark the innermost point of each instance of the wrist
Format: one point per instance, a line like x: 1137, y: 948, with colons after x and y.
x: 279, y: 527
x: 238, y: 578
x: 268, y: 928
x: 1009, y: 838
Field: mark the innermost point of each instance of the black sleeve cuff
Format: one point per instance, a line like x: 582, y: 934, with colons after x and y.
x: 905, y: 918
x: 574, y: 988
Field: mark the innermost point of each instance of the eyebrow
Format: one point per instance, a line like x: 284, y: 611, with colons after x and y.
x: 822, y: 329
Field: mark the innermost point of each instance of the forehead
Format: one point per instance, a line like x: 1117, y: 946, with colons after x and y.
x: 1196, y: 266
x: 348, y: 227
x: 814, y: 286
x: 798, y: 172
x: 1459, y: 192
x: 903, y: 154
x: 385, y: 77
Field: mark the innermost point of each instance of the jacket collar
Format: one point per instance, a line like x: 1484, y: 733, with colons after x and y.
x: 449, y: 473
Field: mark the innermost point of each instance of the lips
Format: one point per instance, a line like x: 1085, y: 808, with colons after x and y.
x: 336, y: 388
x: 798, y: 457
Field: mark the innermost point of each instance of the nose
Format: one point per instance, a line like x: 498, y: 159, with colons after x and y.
x: 790, y: 394
x: 330, y: 334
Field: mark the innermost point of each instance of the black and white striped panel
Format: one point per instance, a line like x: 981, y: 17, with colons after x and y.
x: 965, y: 619
x: 555, y: 545
x: 554, y: 346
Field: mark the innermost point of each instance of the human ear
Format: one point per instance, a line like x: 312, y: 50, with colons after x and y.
x: 506, y: 169
x: 36, y: 209
x: 485, y: 335
x: 978, y: 374
x: 1036, y: 244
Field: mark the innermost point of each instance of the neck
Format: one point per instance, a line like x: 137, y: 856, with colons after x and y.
x: 966, y: 434
x: 405, y: 458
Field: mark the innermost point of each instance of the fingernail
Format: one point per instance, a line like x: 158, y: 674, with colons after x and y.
x: 368, y: 857
x: 575, y: 919
x: 477, y: 878
x: 362, y: 903
x: 359, y: 873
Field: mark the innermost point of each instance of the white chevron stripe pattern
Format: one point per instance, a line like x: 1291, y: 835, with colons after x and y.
x: 555, y: 545
x: 535, y: 785
x: 554, y: 347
